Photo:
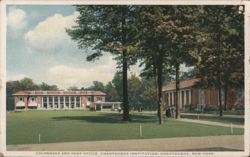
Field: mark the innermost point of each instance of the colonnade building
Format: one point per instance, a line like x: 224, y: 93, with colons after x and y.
x: 190, y: 94
x: 56, y: 99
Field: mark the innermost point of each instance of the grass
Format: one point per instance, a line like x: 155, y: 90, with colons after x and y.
x: 226, y: 120
x: 65, y: 126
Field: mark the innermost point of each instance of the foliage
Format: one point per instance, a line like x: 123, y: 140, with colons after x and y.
x: 111, y: 92
x: 108, y: 29
x: 97, y: 86
x: 220, y: 48
x: 210, y: 108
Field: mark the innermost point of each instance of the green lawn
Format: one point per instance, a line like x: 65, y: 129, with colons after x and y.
x: 64, y: 126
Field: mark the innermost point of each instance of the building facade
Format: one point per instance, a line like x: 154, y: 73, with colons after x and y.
x: 56, y: 99
x: 190, y: 94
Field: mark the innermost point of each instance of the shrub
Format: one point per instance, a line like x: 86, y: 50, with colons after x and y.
x: 211, y: 108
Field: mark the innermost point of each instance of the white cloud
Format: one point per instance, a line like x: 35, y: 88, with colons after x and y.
x: 13, y: 77
x: 16, y: 21
x: 66, y: 76
x: 49, y: 35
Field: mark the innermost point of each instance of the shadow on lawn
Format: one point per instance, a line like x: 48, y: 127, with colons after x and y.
x: 108, y: 118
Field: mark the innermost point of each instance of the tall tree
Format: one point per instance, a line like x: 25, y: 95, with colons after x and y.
x: 220, y: 54
x: 107, y: 29
x: 182, y: 32
x: 166, y: 31
x: 154, y: 43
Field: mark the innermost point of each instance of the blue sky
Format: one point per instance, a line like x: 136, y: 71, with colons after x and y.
x: 39, y: 48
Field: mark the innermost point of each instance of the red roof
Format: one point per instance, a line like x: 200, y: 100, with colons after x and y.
x: 59, y: 93
x: 183, y: 84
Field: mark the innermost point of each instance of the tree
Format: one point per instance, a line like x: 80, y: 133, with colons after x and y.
x: 28, y: 84
x: 182, y: 31
x: 74, y: 88
x: 107, y: 29
x: 111, y: 93
x: 97, y: 86
x: 166, y: 31
x: 117, y: 83
x: 134, y: 90
x: 220, y: 48
x: 45, y: 86
x: 149, y: 93
x: 153, y: 45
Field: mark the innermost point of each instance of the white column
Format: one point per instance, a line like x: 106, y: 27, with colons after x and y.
x: 53, y: 102
x: 189, y: 97
x: 59, y: 105
x: 69, y: 101
x: 172, y: 98
x: 64, y: 105
x: 47, y: 102
x: 185, y: 99
x: 180, y: 98
x: 80, y: 102
x: 42, y: 102
x: 75, y: 102
x: 169, y: 103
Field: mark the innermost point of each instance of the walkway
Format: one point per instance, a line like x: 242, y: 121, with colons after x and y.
x: 211, y: 143
x: 213, y: 115
x: 211, y: 123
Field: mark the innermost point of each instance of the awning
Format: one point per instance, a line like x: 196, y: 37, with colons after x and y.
x: 20, y: 103
x: 32, y: 104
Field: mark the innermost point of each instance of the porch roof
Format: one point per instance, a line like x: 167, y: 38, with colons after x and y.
x: 58, y: 92
x: 183, y: 84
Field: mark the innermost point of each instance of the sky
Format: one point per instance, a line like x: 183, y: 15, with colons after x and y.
x: 39, y: 48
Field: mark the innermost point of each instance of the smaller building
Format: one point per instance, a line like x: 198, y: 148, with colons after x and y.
x: 56, y: 99
x: 192, y: 95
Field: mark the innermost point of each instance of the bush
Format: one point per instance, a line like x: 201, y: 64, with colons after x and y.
x: 238, y: 107
x: 189, y: 107
x: 211, y: 108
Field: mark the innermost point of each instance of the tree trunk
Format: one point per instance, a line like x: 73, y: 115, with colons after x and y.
x: 125, y: 87
x: 159, y: 81
x: 124, y: 69
x: 225, y: 97
x: 219, y: 74
x: 177, y: 83
x: 220, y: 104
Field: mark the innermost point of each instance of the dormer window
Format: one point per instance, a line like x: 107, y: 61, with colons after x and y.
x: 32, y: 98
x: 20, y: 98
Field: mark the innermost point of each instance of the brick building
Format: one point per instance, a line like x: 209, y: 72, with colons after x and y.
x: 57, y: 99
x: 191, y: 94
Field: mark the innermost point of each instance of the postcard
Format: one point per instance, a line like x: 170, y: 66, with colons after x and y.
x: 124, y: 78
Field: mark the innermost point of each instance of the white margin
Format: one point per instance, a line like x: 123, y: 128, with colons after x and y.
x: 247, y: 77
x: 3, y: 26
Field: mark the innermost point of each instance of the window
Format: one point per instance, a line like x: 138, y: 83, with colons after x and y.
x: 99, y: 98
x: 20, y: 98
x: 90, y: 98
x: 32, y: 98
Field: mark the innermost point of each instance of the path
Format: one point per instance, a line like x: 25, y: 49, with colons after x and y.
x: 211, y: 123
x: 225, y: 142
x: 212, y: 115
